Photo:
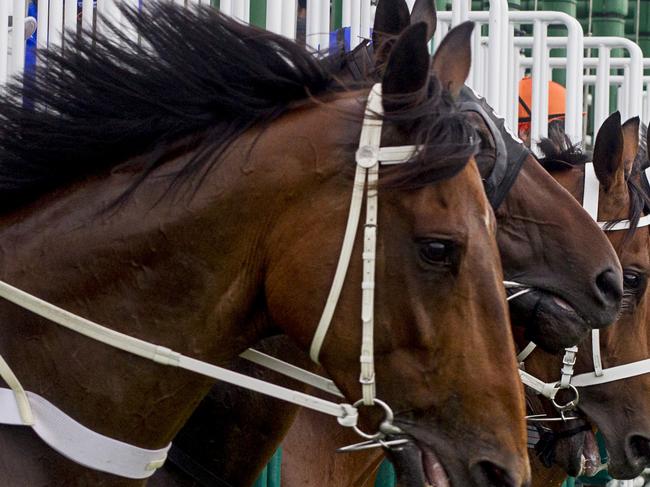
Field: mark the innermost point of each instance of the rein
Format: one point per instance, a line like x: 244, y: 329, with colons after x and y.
x: 73, y: 440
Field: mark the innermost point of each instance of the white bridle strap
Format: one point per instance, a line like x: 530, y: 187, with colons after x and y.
x: 366, y: 157
x: 547, y: 389
x: 595, y: 352
x: 523, y: 355
x: 591, y: 191
x: 612, y: 374
x: 367, y: 357
x: 568, y: 361
x: 342, y: 266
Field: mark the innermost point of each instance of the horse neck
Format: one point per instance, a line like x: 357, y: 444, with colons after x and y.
x: 183, y: 273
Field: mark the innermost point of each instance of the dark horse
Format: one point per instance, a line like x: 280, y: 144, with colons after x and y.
x: 619, y: 409
x: 534, y: 246
x: 193, y: 190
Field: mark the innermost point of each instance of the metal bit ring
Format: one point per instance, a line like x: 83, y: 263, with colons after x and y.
x: 386, y: 426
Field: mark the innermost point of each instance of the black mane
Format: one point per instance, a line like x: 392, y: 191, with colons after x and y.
x: 197, y: 81
x: 560, y: 153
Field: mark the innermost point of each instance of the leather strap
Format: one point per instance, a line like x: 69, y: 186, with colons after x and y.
x: 568, y: 361
x: 612, y: 374
x: 595, y: 352
x: 291, y: 371
x: 78, y: 443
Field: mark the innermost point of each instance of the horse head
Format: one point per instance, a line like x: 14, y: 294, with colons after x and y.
x: 618, y: 409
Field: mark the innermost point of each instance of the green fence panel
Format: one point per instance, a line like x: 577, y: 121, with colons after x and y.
x: 337, y: 14
x: 386, y: 475
x: 270, y: 476
x: 258, y: 13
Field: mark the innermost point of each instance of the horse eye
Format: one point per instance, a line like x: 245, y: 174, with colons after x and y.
x: 631, y: 280
x: 437, y: 252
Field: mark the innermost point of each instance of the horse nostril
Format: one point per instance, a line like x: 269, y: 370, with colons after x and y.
x: 488, y: 474
x: 639, y: 447
x: 609, y: 285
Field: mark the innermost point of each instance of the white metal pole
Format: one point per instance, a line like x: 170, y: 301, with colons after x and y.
x: 289, y: 19
x: 496, y: 70
x: 226, y: 6
x: 18, y: 37
x: 87, y: 14
x: 324, y: 25
x: 512, y: 98
x: 355, y: 24
x: 4, y: 44
x: 55, y: 23
x: 43, y: 17
x: 460, y: 11
x: 312, y: 34
x: 601, y: 103
x: 539, y: 45
x: 274, y: 16
x: 346, y: 14
x: 364, y: 30
x: 69, y: 18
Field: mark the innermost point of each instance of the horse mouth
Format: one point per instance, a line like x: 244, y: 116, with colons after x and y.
x: 590, y: 461
x: 418, y: 465
x: 434, y: 473
x: 551, y: 321
x: 578, y: 453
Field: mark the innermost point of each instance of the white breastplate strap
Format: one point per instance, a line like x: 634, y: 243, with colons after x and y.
x: 81, y: 445
x: 102, y: 453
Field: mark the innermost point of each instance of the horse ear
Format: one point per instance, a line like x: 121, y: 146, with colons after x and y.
x: 407, y: 70
x: 630, y: 142
x: 608, y: 152
x: 453, y: 58
x: 425, y: 11
x: 391, y: 18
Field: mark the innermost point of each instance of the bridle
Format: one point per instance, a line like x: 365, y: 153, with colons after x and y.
x: 100, y: 452
x: 600, y: 375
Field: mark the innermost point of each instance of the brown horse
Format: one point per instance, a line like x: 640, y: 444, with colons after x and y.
x: 232, y: 423
x: 618, y: 409
x: 205, y: 210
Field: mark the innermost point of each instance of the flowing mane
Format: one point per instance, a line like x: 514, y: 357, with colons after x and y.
x: 197, y: 81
